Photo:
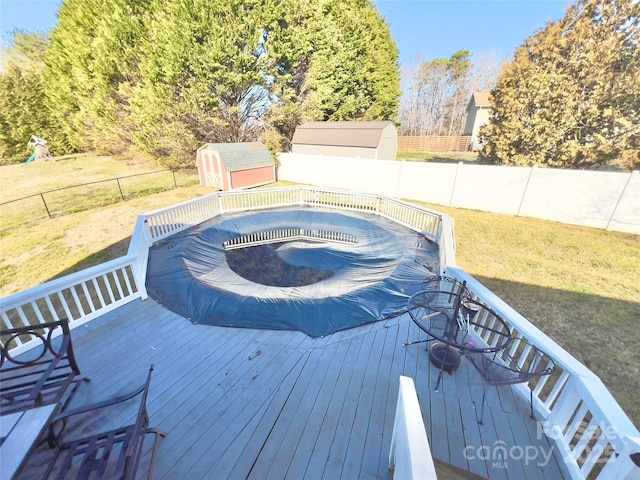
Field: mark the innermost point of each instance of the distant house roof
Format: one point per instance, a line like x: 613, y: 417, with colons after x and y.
x: 242, y: 156
x: 481, y: 99
x: 341, y: 134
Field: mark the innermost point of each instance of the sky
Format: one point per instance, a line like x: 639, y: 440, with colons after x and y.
x: 422, y: 29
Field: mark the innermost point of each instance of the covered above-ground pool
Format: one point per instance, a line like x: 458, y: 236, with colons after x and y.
x: 307, y: 269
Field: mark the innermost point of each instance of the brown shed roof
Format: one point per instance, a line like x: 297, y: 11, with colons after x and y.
x: 341, y: 134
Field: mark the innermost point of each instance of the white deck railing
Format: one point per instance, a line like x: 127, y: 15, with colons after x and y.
x: 573, y: 406
x: 288, y: 235
x: 576, y: 409
x: 410, y: 455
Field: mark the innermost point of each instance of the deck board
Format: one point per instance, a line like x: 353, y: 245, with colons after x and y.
x: 245, y: 403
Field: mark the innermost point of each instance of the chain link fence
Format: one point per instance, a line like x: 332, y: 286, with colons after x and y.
x: 77, y: 198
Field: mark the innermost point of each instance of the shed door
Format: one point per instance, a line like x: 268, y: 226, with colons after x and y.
x: 214, y: 180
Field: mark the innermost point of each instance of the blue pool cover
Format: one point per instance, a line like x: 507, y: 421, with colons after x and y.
x: 368, y: 267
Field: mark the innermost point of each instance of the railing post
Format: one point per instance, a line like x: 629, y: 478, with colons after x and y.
x: 410, y: 455
x: 627, y: 465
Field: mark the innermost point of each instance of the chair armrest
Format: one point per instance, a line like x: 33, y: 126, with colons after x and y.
x: 63, y: 417
x: 53, y: 364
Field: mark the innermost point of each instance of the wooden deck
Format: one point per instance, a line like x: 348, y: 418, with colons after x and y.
x: 260, y: 404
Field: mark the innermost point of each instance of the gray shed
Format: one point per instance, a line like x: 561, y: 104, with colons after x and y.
x: 375, y: 140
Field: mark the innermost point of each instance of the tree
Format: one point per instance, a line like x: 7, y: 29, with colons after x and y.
x: 433, y: 105
x: 204, y: 73
x: 337, y: 61
x: 23, y: 111
x: 223, y: 71
x: 570, y: 97
x: 353, y: 73
x: 163, y: 76
x: 91, y: 68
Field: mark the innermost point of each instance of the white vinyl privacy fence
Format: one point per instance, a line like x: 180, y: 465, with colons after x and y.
x: 607, y: 200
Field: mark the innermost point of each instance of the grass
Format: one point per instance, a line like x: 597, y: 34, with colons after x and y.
x: 439, y: 157
x: 579, y: 285
x: 19, y: 181
x: 73, y: 184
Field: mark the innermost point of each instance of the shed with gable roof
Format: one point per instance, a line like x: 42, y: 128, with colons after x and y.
x: 375, y: 140
x: 232, y: 166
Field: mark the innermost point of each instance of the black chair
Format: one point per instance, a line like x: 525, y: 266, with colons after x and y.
x: 41, y: 375
x: 106, y: 454
x: 503, y: 368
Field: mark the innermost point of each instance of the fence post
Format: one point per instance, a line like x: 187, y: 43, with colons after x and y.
x: 398, y: 183
x: 624, y: 189
x: 45, y: 205
x: 120, y: 188
x: 526, y: 187
x: 455, y: 180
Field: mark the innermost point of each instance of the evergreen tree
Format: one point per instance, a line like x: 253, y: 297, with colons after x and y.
x: 570, y: 98
x: 336, y: 60
x: 205, y: 75
x: 91, y: 69
x: 23, y: 111
x: 163, y: 76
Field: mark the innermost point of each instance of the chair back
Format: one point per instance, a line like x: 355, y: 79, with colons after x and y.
x: 41, y: 374
x: 138, y: 433
x: 519, y: 362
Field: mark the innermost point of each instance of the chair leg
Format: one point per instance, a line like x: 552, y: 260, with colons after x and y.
x: 158, y: 434
x: 531, y: 404
x: 482, y: 406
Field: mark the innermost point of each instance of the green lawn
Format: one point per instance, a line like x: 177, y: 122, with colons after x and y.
x: 439, y: 157
x: 72, y: 184
x: 579, y: 285
x: 21, y: 181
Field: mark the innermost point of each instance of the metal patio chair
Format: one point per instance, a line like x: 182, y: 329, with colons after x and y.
x: 41, y: 375
x: 506, y: 368
x: 111, y: 454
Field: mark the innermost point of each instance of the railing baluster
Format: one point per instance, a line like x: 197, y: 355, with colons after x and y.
x: 64, y: 305
x: 92, y: 307
x: 98, y: 291
x: 37, y: 311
